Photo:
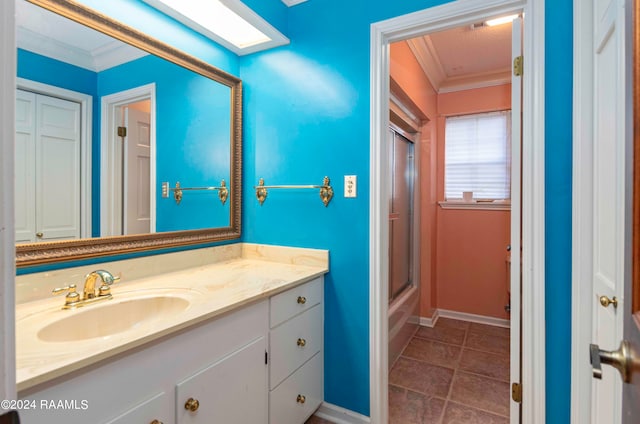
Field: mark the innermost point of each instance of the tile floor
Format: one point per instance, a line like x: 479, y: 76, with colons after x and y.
x: 454, y: 373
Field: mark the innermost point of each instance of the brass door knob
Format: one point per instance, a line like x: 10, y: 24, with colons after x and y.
x: 192, y: 405
x: 39, y: 235
x: 156, y: 422
x: 302, y: 300
x: 301, y: 399
x: 605, y: 301
x: 620, y: 359
x: 302, y: 342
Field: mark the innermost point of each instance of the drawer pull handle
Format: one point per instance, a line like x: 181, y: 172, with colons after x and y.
x: 301, y: 399
x: 302, y: 300
x: 192, y: 405
x: 302, y: 342
x: 156, y: 422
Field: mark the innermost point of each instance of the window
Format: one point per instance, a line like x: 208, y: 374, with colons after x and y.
x: 478, y: 155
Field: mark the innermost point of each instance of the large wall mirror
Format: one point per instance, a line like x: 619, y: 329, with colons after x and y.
x: 108, y: 122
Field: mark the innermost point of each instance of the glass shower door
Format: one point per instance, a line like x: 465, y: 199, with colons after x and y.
x: 402, y: 174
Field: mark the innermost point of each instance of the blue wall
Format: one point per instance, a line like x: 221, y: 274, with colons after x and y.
x: 307, y: 115
x: 193, y: 138
x: 558, y: 166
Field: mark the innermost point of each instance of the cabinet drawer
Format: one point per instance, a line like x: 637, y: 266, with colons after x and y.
x: 294, y: 301
x: 294, y: 342
x: 284, y: 404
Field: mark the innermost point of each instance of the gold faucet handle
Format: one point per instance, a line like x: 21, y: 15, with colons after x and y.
x: 105, y: 288
x: 72, y: 296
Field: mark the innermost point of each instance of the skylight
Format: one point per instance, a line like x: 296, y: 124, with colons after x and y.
x: 228, y: 22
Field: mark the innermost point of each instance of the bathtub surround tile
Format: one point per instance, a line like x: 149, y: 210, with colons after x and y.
x: 481, y: 392
x: 433, y: 352
x: 488, y: 343
x: 456, y: 413
x: 489, y: 329
x: 409, y: 407
x: 443, y: 334
x: 421, y: 377
x: 485, y: 363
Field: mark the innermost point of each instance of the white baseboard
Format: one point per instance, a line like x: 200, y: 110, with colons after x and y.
x: 463, y: 316
x: 339, y: 415
x: 430, y: 322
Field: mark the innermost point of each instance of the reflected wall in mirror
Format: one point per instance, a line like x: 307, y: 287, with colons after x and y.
x: 104, y: 116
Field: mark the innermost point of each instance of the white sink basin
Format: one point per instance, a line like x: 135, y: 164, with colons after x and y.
x: 111, y: 317
x: 126, y: 311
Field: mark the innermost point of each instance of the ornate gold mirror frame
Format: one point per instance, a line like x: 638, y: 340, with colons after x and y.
x: 48, y: 252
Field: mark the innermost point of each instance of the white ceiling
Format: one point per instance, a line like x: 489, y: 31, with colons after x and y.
x: 465, y: 57
x: 51, y: 35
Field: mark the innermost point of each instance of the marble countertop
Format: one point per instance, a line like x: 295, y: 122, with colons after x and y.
x: 257, y: 272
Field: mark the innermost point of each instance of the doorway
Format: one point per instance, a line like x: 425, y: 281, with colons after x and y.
x: 53, y: 136
x: 457, y: 362
x: 128, y: 162
x: 434, y: 19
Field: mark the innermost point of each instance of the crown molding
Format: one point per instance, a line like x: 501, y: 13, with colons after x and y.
x: 429, y: 61
x: 472, y: 81
x: 105, y: 57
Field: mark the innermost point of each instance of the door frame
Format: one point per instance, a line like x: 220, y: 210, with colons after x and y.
x: 86, y: 125
x: 110, y: 205
x: 7, y: 205
x: 582, y: 198
x: 450, y: 15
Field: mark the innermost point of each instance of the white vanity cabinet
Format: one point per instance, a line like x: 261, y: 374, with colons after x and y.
x: 260, y: 363
x: 220, y: 362
x: 296, y: 373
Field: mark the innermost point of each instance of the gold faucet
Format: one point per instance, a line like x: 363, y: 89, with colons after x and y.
x: 73, y: 300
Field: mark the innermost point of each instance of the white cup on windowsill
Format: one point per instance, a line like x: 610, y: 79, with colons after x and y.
x: 467, y: 196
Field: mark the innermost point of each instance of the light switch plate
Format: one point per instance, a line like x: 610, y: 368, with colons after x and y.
x: 350, y: 186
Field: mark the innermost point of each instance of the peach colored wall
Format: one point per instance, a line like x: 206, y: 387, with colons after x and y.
x: 406, y: 71
x: 471, y: 271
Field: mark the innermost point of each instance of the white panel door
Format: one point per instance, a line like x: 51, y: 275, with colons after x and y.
x: 137, y: 198
x: 607, y: 265
x: 25, y: 166
x: 57, y: 168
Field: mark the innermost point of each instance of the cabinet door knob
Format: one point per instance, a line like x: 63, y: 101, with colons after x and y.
x: 605, y: 301
x: 156, y: 422
x: 302, y: 342
x: 192, y: 405
x: 302, y: 300
x: 39, y: 235
x: 301, y: 399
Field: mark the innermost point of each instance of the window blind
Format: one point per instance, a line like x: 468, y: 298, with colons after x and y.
x: 478, y: 155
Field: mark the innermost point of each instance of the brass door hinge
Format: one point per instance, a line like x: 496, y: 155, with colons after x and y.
x: 516, y: 392
x: 517, y: 66
x: 122, y: 131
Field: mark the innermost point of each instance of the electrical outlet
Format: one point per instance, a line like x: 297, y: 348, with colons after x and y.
x: 350, y: 186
